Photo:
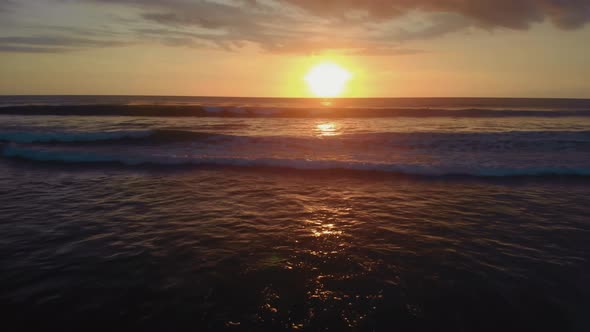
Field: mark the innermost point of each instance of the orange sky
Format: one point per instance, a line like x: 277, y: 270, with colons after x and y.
x: 265, y: 48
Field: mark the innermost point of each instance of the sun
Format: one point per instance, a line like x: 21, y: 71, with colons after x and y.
x: 327, y: 80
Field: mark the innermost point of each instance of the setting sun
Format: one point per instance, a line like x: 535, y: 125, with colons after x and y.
x: 327, y: 80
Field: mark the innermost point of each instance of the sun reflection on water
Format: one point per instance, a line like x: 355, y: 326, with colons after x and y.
x: 324, y: 129
x: 325, y: 230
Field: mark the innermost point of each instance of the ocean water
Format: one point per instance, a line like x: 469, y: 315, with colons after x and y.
x: 260, y: 214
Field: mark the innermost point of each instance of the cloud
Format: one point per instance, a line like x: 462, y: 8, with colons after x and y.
x: 29, y: 49
x: 369, y: 27
x: 437, y: 25
x: 208, y: 15
x: 270, y: 25
x: 5, y: 5
x: 227, y: 25
x: 293, y: 25
x: 513, y: 14
x: 51, y: 44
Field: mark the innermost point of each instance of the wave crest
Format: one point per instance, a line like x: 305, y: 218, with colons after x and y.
x: 71, y: 137
x: 33, y: 154
x: 527, y: 141
x: 285, y: 111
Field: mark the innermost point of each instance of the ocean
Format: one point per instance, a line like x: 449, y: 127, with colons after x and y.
x: 276, y: 214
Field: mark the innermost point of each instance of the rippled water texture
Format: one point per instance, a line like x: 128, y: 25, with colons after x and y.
x: 234, y: 249
x: 272, y: 215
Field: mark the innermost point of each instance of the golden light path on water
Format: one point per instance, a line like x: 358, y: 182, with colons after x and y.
x: 323, y: 129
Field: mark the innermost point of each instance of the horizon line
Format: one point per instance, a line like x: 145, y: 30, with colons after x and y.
x: 267, y: 97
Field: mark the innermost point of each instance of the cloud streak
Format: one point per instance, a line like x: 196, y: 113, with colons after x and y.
x: 52, y: 44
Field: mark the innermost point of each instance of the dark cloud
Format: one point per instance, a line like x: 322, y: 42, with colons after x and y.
x: 274, y: 28
x: 227, y: 25
x: 5, y: 5
x: 51, y: 44
x: 514, y: 14
x: 205, y: 14
x: 369, y: 27
x: 30, y: 49
x: 279, y: 25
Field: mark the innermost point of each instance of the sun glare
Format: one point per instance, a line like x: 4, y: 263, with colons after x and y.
x: 327, y: 80
x: 327, y: 129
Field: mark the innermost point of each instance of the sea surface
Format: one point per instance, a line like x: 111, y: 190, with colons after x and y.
x: 266, y: 214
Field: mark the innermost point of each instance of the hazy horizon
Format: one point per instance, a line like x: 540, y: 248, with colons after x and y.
x: 287, y: 97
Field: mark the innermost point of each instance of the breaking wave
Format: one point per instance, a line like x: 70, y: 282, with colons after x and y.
x: 484, y: 141
x: 90, y: 157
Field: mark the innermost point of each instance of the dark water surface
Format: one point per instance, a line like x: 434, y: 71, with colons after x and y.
x: 216, y: 249
x: 256, y: 214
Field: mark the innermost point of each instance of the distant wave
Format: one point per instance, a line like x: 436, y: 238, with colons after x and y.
x: 65, y: 137
x: 154, y: 136
x: 269, y: 102
x: 284, y: 112
x: 525, y: 141
x: 39, y: 155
